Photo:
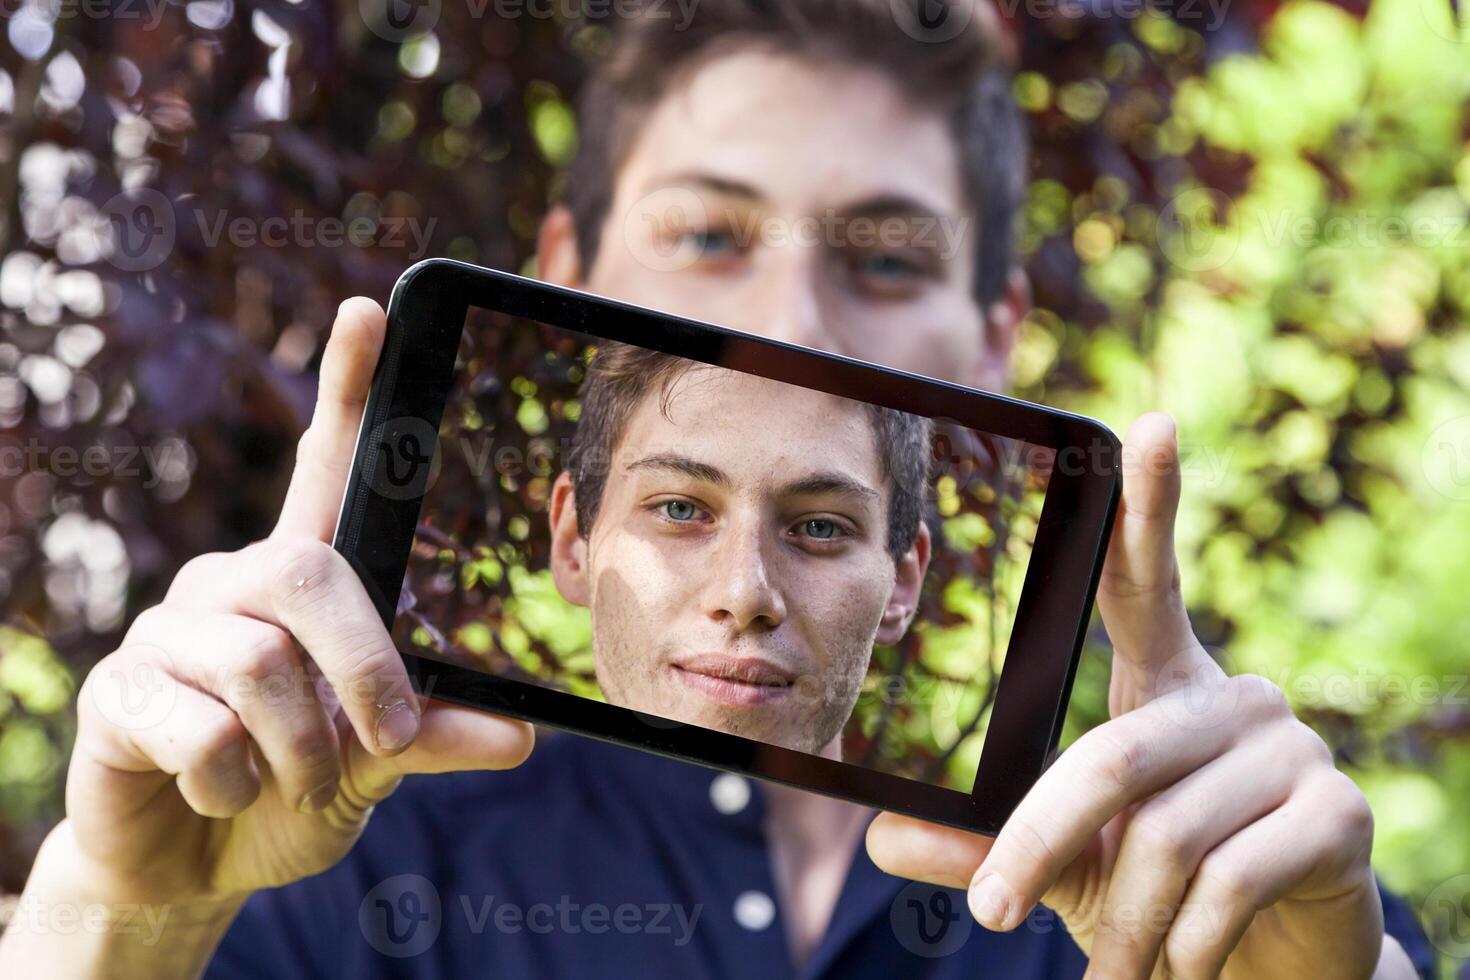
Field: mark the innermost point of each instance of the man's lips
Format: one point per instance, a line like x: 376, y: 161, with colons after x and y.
x: 741, y: 681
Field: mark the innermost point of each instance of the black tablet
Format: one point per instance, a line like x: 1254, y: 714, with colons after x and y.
x: 726, y: 549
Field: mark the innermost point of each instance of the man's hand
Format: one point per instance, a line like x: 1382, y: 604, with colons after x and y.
x: 1203, y: 830
x: 241, y: 734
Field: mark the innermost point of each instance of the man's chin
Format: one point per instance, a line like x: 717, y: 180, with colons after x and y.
x: 768, y: 722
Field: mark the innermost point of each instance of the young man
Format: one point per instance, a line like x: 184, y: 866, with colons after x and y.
x: 741, y: 543
x: 1202, y: 840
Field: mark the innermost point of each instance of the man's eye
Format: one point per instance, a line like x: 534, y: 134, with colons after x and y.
x: 886, y: 266
x: 890, y: 275
x: 679, y: 510
x: 713, y: 244
x: 821, y: 529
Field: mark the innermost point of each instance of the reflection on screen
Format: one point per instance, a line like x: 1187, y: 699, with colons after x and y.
x: 722, y: 549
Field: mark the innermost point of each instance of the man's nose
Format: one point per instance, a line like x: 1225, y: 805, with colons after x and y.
x: 797, y: 305
x: 743, y: 593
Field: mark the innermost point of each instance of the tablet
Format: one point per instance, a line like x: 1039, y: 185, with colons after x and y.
x: 726, y: 549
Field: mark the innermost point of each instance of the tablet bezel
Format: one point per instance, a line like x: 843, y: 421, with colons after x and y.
x: 426, y: 318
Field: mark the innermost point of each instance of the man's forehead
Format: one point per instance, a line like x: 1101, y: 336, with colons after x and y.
x: 806, y: 132
x: 735, y: 420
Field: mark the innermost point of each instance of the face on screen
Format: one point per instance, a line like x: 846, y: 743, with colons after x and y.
x: 738, y: 558
x: 710, y: 547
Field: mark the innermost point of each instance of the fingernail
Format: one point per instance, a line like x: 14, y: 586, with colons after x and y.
x: 990, y: 902
x: 319, y: 798
x: 397, y: 727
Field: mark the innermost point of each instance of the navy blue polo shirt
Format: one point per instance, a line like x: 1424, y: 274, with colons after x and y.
x: 592, y: 860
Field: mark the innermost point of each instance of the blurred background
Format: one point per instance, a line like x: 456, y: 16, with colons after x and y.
x: 1255, y: 216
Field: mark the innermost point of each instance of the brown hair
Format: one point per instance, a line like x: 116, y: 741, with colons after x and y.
x: 620, y: 376
x: 961, y: 77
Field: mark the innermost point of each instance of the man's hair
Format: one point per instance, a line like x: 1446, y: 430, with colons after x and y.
x: 961, y: 77
x: 620, y: 376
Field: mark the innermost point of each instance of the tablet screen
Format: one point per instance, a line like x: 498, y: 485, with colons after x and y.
x: 715, y: 548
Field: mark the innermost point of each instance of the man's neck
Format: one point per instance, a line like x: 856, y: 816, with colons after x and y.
x: 812, y: 840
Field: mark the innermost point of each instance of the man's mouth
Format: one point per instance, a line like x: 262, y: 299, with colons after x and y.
x: 738, y: 681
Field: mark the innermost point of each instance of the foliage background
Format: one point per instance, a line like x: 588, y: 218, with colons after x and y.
x: 1211, y: 230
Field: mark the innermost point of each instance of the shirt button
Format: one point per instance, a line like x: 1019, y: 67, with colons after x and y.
x: 755, y: 910
x: 729, y: 793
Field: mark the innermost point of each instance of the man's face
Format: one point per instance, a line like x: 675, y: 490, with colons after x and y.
x: 737, y: 569
x: 807, y: 201
x: 760, y: 193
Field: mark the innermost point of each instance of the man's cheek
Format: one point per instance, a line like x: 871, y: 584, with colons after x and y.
x: 851, y: 606
x: 947, y: 349
x: 617, y: 619
x: 638, y: 598
x: 840, y: 617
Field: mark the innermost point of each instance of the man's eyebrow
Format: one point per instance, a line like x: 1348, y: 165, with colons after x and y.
x: 827, y: 483
x: 712, y: 182
x: 875, y: 208
x: 676, y: 463
x: 809, y: 486
x: 892, y: 206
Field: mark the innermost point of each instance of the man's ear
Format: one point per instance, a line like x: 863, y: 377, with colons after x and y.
x: 568, y: 547
x: 557, y: 258
x: 903, y: 604
x: 1003, y: 320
